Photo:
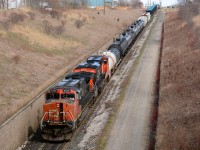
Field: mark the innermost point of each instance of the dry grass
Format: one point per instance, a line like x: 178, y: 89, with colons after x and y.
x: 179, y: 105
x: 197, y: 20
x: 37, y: 37
x: 30, y: 59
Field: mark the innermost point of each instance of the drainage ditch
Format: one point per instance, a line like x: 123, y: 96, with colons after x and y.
x: 155, y: 105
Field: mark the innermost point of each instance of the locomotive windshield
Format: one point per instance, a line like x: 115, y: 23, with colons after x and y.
x: 56, y: 96
x: 67, y: 96
x: 50, y: 96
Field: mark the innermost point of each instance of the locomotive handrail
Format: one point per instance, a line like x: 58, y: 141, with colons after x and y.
x: 41, y: 122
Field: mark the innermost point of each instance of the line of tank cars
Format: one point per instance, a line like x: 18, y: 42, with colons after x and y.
x: 67, y: 101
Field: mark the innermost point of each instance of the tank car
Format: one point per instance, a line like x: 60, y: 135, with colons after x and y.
x: 122, y: 43
x: 131, y: 33
x: 114, y: 58
x: 144, y: 19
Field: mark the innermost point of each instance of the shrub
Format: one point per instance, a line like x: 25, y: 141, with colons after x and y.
x: 55, y: 14
x: 47, y: 27
x: 63, y: 23
x: 59, y: 30
x: 5, y: 13
x: 31, y: 14
x: 79, y: 23
x: 5, y: 24
x: 187, y: 12
x: 16, y: 18
x: 16, y: 58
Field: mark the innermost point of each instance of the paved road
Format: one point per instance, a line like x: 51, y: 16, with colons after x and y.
x: 130, y: 131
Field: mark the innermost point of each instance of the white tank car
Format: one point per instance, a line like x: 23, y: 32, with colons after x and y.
x: 143, y: 18
x: 148, y: 15
x: 113, y: 58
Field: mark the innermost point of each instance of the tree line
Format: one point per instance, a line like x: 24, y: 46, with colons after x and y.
x: 6, y: 4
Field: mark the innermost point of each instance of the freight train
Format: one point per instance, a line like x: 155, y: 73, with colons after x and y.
x: 67, y: 101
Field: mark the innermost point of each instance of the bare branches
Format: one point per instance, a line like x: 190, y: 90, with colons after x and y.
x: 6, y: 4
x: 136, y: 3
x: 188, y: 10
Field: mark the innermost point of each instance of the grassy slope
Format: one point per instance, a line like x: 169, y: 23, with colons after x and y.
x: 30, y: 58
x: 179, y: 105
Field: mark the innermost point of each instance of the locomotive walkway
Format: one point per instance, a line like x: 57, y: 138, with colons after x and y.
x: 130, y: 130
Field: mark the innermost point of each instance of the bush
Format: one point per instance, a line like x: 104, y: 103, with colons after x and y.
x: 47, y: 27
x: 188, y: 11
x: 79, y: 23
x: 5, y: 24
x: 16, y: 58
x: 55, y: 14
x: 16, y: 18
x: 63, y: 23
x: 59, y: 30
x: 31, y: 14
x: 53, y: 30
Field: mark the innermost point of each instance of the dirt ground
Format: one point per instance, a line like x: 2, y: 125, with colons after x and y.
x: 37, y: 48
x: 179, y: 105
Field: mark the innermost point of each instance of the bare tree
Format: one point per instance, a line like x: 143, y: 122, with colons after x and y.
x: 6, y: 4
x: 136, y: 3
x: 188, y: 10
x: 123, y: 3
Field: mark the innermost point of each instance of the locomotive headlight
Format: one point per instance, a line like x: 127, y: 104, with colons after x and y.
x: 48, y: 122
x: 57, y: 105
x: 64, y: 121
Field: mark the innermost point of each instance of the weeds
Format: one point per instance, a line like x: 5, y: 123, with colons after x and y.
x: 53, y: 30
x: 47, y: 27
x: 63, y: 23
x: 5, y: 24
x: 16, y: 58
x: 16, y: 18
x: 31, y: 15
x: 55, y: 14
x: 178, y: 121
x: 79, y: 23
x: 59, y: 30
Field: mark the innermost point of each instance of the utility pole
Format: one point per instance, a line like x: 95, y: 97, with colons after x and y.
x: 104, y: 8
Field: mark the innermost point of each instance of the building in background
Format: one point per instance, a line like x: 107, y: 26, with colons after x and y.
x: 96, y: 3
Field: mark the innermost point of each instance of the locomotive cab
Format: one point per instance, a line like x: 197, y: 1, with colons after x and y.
x: 99, y: 76
x: 102, y: 60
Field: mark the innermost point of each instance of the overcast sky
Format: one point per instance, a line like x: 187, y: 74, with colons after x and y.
x: 164, y: 2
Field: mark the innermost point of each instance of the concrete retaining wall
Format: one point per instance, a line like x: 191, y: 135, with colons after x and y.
x: 19, y: 127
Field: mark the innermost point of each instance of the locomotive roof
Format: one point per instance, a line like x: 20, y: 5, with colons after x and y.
x: 67, y: 84
x: 95, y: 58
x: 79, y: 75
x: 93, y: 65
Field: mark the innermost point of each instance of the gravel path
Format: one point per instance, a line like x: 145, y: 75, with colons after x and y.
x: 130, y: 131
